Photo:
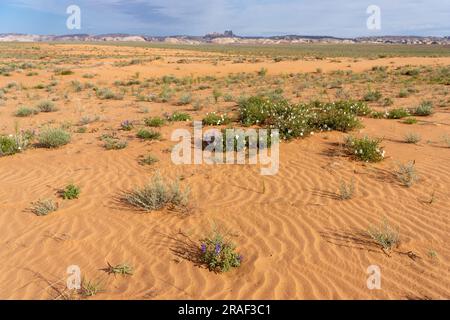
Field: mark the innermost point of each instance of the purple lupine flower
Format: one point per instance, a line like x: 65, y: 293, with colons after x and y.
x: 240, y: 258
x: 203, y: 248
x: 218, y: 248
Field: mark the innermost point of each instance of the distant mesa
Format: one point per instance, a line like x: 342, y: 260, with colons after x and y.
x: 227, y: 37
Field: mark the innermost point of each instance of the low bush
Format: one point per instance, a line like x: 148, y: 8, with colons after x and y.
x: 155, y: 122
x: 398, y: 113
x: 219, y: 254
x: 53, y: 138
x: 46, y: 106
x: 365, y: 149
x: 148, y: 134
x: 214, y: 119
x: 158, y: 194
x: 71, y: 192
x: 44, y: 207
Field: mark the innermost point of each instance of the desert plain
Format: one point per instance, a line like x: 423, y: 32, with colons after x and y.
x: 303, y: 233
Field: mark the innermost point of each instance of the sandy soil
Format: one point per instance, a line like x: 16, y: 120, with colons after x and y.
x: 297, y: 239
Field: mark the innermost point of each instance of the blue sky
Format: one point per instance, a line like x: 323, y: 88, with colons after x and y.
x: 343, y: 18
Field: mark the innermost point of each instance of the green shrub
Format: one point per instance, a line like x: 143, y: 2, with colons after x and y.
x: 410, y: 121
x: 185, y: 99
x: 71, y: 192
x: 46, y: 106
x: 63, y: 72
x: 148, y: 134
x: 372, y: 95
x: 154, y: 122
x: 424, y: 109
x: 25, y: 112
x: 16, y: 143
x: 114, y: 144
x: 108, y: 94
x: 365, y: 149
x: 219, y: 254
x: 158, y: 194
x: 148, y: 160
x: 53, y: 138
x: 397, y: 113
x: 213, y: 119
x: 385, y: 235
x: 180, y: 116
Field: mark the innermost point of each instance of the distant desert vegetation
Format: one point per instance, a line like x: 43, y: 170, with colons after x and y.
x: 87, y: 177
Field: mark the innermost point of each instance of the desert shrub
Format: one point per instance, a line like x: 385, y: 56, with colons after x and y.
x: 108, y: 94
x: 158, y: 194
x: 53, y: 138
x: 331, y: 117
x: 216, y: 95
x: 155, y: 122
x: 378, y: 114
x: 410, y: 121
x: 372, y: 95
x: 219, y: 254
x: 180, y: 116
x: 398, y: 113
x: 185, y: 99
x: 365, y: 149
x: 126, y: 125
x: 15, y: 143
x: 148, y: 134
x: 148, y: 160
x: 385, y: 235
x: 346, y: 190
x: 213, y: 119
x: 25, y: 112
x: 71, y: 192
x: 262, y: 72
x: 88, y: 119
x: 227, y: 97
x: 122, y: 269
x: 114, y: 143
x: 88, y: 76
x: 407, y: 173
x: 412, y: 138
x: 90, y: 288
x: 256, y: 110
x: 44, y: 207
x: 424, y: 109
x: 388, y: 102
x: 63, y: 72
x: 46, y: 106
x: 403, y: 93
x: 166, y: 94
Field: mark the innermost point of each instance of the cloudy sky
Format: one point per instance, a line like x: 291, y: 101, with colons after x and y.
x: 343, y: 18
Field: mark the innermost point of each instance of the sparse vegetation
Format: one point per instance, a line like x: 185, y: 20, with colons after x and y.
x: 219, y: 254
x: 46, y: 106
x: 365, y: 149
x: 412, y: 138
x: 385, y: 235
x: 346, y: 190
x: 407, y: 174
x: 158, y: 194
x: 44, y: 207
x: 71, y: 192
x: 53, y: 138
x: 148, y: 135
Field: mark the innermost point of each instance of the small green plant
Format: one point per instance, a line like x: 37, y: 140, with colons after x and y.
x: 424, y: 109
x: 44, y: 207
x: 122, y: 269
x: 346, y: 190
x: 219, y: 254
x: 71, y: 192
x: 90, y: 288
x: 213, y: 119
x: 398, y: 113
x: 412, y: 138
x: 372, y: 95
x: 126, y: 125
x: 53, y: 138
x: 114, y: 143
x: 25, y: 112
x: 407, y: 174
x: 262, y: 72
x: 216, y: 95
x: 108, y: 94
x: 158, y: 194
x: 365, y: 149
x: 63, y: 72
x: 15, y: 143
x: 155, y: 122
x: 185, y: 99
x: 148, y: 135
x: 180, y: 116
x: 148, y: 160
x: 410, y: 120
x: 385, y: 235
x: 46, y: 106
